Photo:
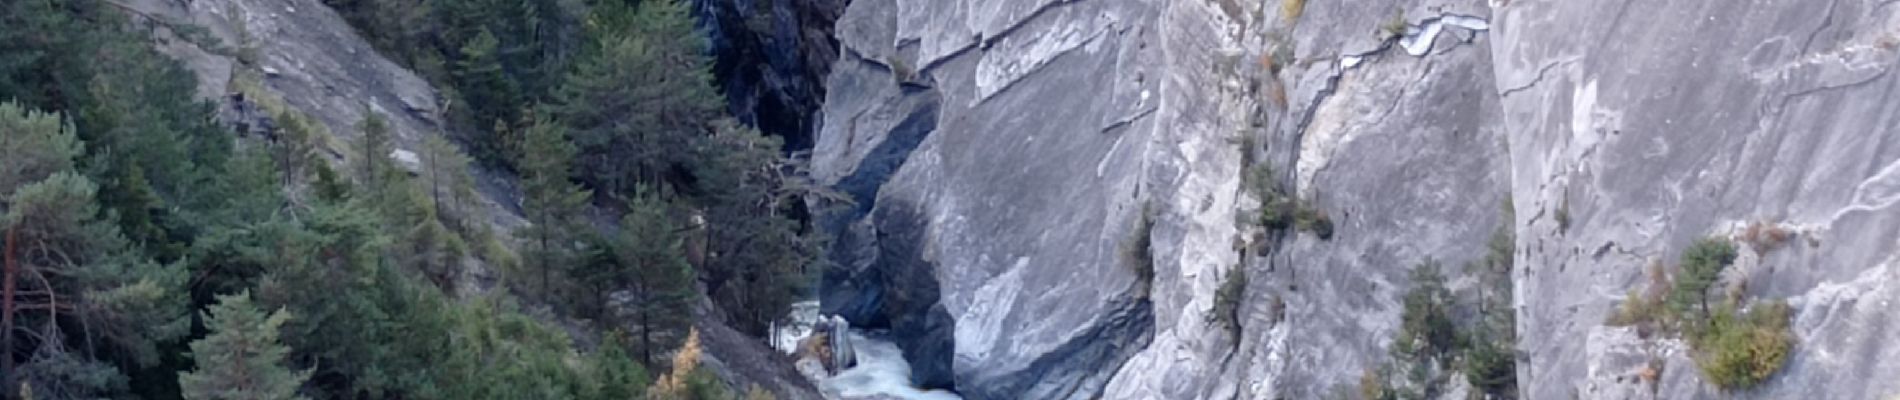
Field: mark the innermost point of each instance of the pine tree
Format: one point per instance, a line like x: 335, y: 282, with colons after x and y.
x: 33, y: 145
x: 490, y: 93
x: 758, y: 270
x: 651, y: 264
x: 617, y: 375
x: 295, y: 147
x: 67, y: 267
x: 1427, y: 337
x: 241, y: 359
x: 637, y: 101
x: 1702, y: 265
x: 445, y: 177
x: 374, y: 168
x: 553, y: 204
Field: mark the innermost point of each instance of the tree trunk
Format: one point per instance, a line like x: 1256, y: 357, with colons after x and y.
x: 7, y: 309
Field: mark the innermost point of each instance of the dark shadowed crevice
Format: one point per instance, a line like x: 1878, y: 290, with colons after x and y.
x: 877, y: 167
x: 771, y: 58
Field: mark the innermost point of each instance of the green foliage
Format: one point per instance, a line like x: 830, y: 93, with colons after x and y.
x: 490, y: 93
x: 1275, y: 205
x: 444, y: 177
x: 755, y: 256
x: 1395, y: 27
x: 1227, y: 300
x: 1422, y: 353
x: 637, y: 103
x: 296, y: 148
x: 1291, y: 9
x: 137, y: 206
x: 1735, y: 350
x: 1702, y: 265
x: 1489, y: 361
x: 33, y: 145
x: 618, y: 375
x: 1740, y: 351
x: 1426, y: 330
x: 647, y: 261
x: 374, y: 169
x: 241, y: 359
x: 1281, y: 211
x: 75, y: 268
x: 554, y: 205
x: 1309, y: 219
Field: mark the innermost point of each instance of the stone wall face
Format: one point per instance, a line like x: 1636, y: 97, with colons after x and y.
x: 1001, y: 152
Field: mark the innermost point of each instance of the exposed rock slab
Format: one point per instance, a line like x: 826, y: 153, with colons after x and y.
x: 1646, y: 125
x: 1657, y: 124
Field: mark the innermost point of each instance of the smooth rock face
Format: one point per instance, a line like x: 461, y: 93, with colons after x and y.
x: 304, y: 55
x: 1659, y: 123
x: 1006, y: 148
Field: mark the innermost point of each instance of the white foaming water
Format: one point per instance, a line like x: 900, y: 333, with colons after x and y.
x: 881, y: 369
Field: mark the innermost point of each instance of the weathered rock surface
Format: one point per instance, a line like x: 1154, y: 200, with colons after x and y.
x: 1661, y: 123
x: 302, y: 54
x: 771, y: 60
x: 1000, y: 152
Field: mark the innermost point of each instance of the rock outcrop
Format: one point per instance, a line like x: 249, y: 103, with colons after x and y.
x: 1000, y: 152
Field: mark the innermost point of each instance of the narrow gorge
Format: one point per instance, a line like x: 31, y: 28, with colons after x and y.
x: 984, y: 199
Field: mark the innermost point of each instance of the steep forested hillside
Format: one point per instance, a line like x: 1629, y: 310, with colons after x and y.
x: 153, y: 252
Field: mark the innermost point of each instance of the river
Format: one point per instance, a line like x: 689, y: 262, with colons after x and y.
x: 881, y: 372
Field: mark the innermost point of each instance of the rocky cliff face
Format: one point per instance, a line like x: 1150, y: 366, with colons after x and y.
x: 772, y: 59
x: 1000, y: 153
x: 1661, y: 123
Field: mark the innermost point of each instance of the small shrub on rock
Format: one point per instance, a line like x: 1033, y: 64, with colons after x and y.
x: 1310, y: 219
x: 1645, y: 309
x: 1739, y: 351
x: 1702, y: 265
x: 1226, y: 310
x: 1763, y: 236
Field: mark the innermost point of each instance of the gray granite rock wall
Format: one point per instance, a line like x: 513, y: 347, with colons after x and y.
x: 1646, y: 125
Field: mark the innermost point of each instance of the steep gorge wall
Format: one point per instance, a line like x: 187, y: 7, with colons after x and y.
x: 1053, y: 124
x: 1659, y: 123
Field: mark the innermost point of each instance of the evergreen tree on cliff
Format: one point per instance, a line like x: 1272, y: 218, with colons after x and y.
x: 241, y: 359
x: 554, y: 204
x: 651, y: 263
x: 640, y: 96
x: 68, y: 267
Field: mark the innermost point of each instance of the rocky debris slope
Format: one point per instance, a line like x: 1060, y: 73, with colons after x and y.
x: 254, y: 55
x: 1001, y: 152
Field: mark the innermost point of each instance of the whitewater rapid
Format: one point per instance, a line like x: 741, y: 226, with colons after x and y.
x: 881, y: 369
